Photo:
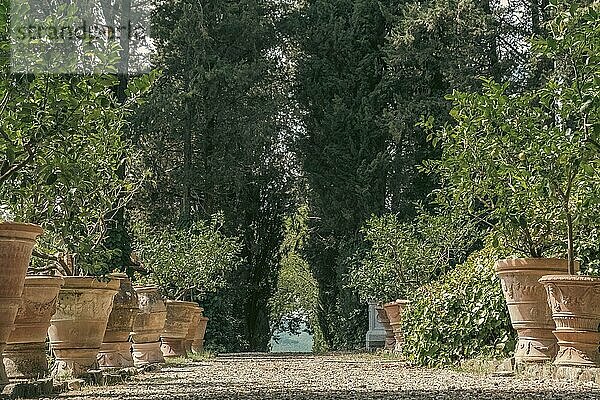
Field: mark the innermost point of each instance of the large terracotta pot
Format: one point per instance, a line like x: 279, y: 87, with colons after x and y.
x: 25, y: 353
x: 189, y: 339
x: 179, y: 318
x: 16, y: 244
x: 148, y: 326
x: 198, y: 343
x: 528, y: 307
x: 115, y: 351
x: 390, y: 340
x: 394, y: 312
x: 77, y: 329
x: 575, y: 304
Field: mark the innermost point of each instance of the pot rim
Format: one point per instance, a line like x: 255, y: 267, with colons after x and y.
x: 145, y: 288
x: 20, y: 229
x: 570, y: 279
x: 89, y: 282
x: 533, y: 264
x: 118, y: 275
x: 182, y: 303
x: 396, y: 302
x: 43, y: 280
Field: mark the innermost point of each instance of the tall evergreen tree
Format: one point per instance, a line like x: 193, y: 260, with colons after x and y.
x: 212, y: 135
x: 434, y: 48
x: 340, y: 85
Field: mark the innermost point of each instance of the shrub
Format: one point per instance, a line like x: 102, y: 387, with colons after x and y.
x: 463, y: 315
x: 404, y: 256
x: 188, y: 263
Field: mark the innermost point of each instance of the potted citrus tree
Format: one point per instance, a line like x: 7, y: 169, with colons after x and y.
x: 69, y: 186
x: 525, y: 164
x: 186, y: 263
x: 573, y: 97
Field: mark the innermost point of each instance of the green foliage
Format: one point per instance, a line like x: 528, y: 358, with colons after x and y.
x: 528, y: 163
x: 405, y: 256
x: 342, y: 147
x: 61, y: 149
x: 463, y: 315
x: 188, y: 262
x: 425, y: 55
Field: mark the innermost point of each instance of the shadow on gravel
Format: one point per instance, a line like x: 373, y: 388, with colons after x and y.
x: 171, y: 391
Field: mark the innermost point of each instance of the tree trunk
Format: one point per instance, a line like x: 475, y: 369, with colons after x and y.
x: 570, y: 251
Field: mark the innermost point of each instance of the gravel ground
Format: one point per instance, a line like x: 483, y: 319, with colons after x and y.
x: 328, y: 377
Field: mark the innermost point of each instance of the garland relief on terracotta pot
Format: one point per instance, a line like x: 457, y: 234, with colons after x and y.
x: 148, y: 326
x: 528, y: 306
x: 25, y: 353
x: 77, y: 329
x: 16, y: 245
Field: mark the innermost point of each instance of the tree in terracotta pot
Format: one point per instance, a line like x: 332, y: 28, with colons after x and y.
x: 60, y: 171
x: 405, y: 256
x: 526, y: 165
x: 573, y: 97
x: 186, y: 263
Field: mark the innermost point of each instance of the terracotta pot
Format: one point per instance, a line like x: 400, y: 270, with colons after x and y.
x: 16, y: 244
x: 575, y: 304
x: 77, y: 329
x: 390, y: 340
x: 189, y: 339
x: 198, y: 343
x: 115, y: 351
x: 148, y: 326
x: 394, y: 312
x: 25, y: 353
x: 528, y: 307
x: 179, y: 318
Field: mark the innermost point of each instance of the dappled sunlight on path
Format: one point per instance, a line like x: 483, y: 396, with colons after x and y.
x: 279, y: 378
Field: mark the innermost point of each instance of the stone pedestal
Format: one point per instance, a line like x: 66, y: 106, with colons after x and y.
x: 26, y: 360
x: 147, y: 353
x: 376, y: 335
x: 115, y: 355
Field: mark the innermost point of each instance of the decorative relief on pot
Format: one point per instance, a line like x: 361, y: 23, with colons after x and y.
x: 519, y: 287
x: 10, y: 287
x: 574, y: 356
x: 115, y: 356
x: 567, y: 300
x: 147, y: 353
x: 86, y: 305
x: 26, y: 361
x: 30, y: 309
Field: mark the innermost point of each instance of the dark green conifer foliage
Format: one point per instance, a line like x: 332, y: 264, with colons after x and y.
x: 340, y: 85
x: 211, y: 134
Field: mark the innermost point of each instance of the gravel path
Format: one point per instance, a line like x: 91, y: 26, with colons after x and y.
x: 327, y: 377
